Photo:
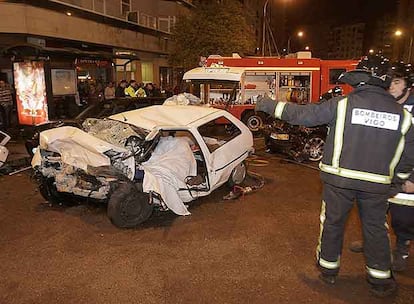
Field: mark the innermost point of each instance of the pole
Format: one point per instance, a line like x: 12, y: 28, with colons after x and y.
x: 264, y: 27
x: 288, y: 46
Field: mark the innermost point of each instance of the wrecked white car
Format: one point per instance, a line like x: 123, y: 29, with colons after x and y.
x: 4, y: 152
x: 159, y: 156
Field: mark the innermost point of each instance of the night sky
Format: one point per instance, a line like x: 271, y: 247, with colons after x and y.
x: 316, y: 17
x: 308, y: 11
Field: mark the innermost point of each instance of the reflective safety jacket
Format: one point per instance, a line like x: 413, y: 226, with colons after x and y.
x: 370, y: 137
x: 130, y: 91
x: 409, y: 104
x: 141, y: 93
x: 402, y: 198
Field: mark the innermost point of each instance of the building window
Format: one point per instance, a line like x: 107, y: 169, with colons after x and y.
x: 147, y: 72
x: 125, y: 7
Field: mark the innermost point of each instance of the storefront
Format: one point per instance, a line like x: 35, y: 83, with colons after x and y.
x: 54, y: 82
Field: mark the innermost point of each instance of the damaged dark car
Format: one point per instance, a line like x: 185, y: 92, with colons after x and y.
x: 297, y: 142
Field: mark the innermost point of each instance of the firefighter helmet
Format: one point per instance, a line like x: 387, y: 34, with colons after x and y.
x: 402, y: 70
x: 371, y: 69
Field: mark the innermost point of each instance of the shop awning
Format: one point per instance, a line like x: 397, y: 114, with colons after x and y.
x: 28, y: 50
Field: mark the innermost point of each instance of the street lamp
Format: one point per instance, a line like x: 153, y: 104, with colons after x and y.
x: 398, y: 33
x: 267, y: 34
x: 264, y: 26
x: 300, y: 34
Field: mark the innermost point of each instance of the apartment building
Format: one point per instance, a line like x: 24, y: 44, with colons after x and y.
x: 405, y: 23
x: 346, y: 42
x: 105, y: 39
x: 384, y: 40
x: 60, y: 54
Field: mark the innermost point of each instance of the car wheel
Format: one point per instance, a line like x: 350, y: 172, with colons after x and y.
x: 49, y: 192
x: 128, y: 207
x: 254, y: 120
x: 238, y: 175
x: 314, y: 148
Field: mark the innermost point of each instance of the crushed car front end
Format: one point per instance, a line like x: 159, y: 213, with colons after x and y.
x: 85, y: 162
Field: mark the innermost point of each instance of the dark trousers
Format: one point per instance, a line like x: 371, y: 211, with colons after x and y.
x: 336, y: 205
x: 402, y: 222
x: 5, y: 112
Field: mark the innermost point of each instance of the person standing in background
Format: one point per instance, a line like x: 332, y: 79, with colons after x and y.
x: 109, y: 91
x: 120, y: 89
x: 141, y: 91
x: 131, y: 90
x: 6, y: 103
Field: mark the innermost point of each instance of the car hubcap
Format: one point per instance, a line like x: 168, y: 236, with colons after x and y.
x: 314, y: 148
x: 254, y: 123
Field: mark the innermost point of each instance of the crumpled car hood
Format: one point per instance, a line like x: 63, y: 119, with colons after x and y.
x: 80, y: 149
x: 103, y: 143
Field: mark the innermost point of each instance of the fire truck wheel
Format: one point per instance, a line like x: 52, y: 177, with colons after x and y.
x: 314, y: 148
x: 128, y: 207
x: 238, y: 175
x: 254, y: 121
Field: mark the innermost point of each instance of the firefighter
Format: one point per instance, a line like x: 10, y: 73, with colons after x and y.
x: 369, y: 135
x: 402, y: 211
x: 402, y: 81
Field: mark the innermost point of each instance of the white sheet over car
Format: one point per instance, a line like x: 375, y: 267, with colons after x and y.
x: 166, y: 171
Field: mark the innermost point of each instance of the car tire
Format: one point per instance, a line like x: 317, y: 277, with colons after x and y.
x: 254, y: 120
x: 238, y: 175
x: 49, y: 192
x: 314, y: 148
x: 128, y: 207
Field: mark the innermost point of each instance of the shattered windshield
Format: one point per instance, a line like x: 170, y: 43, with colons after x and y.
x: 113, y: 131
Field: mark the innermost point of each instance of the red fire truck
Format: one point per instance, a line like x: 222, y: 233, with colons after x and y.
x: 235, y: 83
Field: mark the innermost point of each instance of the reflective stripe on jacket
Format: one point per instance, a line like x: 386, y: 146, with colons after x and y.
x: 130, y: 91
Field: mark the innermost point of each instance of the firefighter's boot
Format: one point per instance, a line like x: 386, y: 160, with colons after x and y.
x: 400, y: 255
x: 383, y: 290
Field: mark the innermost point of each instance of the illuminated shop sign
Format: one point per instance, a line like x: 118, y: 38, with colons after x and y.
x: 29, y: 78
x: 99, y: 63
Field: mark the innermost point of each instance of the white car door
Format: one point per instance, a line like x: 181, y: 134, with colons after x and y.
x: 229, y: 142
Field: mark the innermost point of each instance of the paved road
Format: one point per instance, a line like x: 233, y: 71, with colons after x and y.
x: 257, y: 249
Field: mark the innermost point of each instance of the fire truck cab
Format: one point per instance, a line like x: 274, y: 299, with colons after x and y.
x: 235, y: 83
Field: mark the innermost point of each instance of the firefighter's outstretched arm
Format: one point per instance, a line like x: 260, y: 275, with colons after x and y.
x: 308, y: 115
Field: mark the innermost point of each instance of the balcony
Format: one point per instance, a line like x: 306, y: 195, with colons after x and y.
x: 188, y: 3
x: 121, y: 13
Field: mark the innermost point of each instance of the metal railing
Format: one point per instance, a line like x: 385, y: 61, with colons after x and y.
x: 99, y: 7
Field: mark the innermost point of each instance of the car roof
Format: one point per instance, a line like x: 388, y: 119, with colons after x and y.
x: 168, y: 115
